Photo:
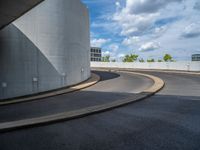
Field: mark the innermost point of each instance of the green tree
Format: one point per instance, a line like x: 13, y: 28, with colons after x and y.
x: 141, y: 60
x: 130, y: 58
x: 159, y: 60
x: 106, y: 58
x: 151, y: 60
x: 168, y: 58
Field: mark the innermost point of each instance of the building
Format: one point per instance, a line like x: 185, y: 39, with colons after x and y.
x: 196, y: 57
x: 95, y: 54
x: 39, y: 50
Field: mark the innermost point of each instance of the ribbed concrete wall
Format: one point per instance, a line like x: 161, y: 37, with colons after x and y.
x: 47, y: 48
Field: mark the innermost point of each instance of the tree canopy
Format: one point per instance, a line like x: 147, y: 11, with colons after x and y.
x: 151, y: 60
x: 130, y: 58
x: 106, y: 58
x: 167, y: 58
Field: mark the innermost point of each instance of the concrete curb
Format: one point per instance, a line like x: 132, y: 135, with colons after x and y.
x: 158, y: 83
x: 20, y: 124
x: 91, y: 81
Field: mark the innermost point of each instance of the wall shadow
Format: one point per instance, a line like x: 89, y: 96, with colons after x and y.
x: 106, y: 75
x: 24, y: 69
x: 160, y: 122
x: 157, y: 105
x: 59, y: 103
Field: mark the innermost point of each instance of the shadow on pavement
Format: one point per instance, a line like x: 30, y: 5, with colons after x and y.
x: 58, y: 104
x: 159, y: 122
x: 106, y: 75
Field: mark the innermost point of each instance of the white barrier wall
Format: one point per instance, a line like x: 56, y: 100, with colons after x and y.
x: 182, y: 65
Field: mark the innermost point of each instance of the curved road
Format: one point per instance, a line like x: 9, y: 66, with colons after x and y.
x: 170, y: 120
x: 112, y: 87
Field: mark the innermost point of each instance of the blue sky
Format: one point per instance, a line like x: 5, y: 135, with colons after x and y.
x: 149, y: 28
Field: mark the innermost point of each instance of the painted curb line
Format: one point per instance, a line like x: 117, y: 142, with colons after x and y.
x: 158, y: 82
x: 20, y: 124
x: 91, y: 81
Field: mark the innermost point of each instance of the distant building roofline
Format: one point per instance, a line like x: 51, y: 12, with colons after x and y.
x: 95, y: 47
x: 195, y: 54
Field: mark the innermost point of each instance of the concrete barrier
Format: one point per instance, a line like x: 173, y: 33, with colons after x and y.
x: 182, y: 65
x: 45, y: 49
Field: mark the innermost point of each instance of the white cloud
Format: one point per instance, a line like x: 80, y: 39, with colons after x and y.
x: 147, y: 6
x: 99, y: 42
x: 138, y: 16
x: 106, y: 53
x: 131, y: 41
x: 159, y: 31
x: 113, y: 51
x: 197, y: 6
x: 192, y: 31
x: 118, y: 5
x: 147, y: 25
x: 121, y: 55
x: 113, y: 47
x: 150, y: 46
x: 134, y: 24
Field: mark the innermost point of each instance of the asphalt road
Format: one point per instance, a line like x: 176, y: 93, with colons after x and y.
x: 170, y: 120
x: 112, y: 87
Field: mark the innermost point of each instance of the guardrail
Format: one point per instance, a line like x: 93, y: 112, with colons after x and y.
x: 181, y: 65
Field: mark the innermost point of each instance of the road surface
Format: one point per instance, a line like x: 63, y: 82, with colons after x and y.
x: 112, y: 87
x: 170, y: 120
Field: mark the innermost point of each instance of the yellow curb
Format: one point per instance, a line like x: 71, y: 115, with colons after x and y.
x: 13, y: 125
x: 91, y: 81
x: 158, y: 83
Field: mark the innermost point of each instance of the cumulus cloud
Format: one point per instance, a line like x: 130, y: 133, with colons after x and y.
x: 131, y: 41
x: 147, y: 6
x: 118, y: 5
x: 134, y: 24
x: 197, y: 6
x: 99, y: 42
x: 137, y: 17
x: 106, y: 53
x: 114, y: 47
x: 113, y: 51
x: 142, y: 25
x: 120, y: 55
x: 150, y: 46
x: 192, y: 31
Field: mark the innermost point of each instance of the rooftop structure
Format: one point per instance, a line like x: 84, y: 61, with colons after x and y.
x: 196, y: 57
x: 96, y: 54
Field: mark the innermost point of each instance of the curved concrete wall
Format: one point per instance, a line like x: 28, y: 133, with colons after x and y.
x: 47, y: 48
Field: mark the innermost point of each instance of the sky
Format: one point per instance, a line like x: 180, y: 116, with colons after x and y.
x: 148, y: 28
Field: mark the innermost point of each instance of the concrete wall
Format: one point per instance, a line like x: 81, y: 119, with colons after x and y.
x: 183, y: 65
x: 45, y: 49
